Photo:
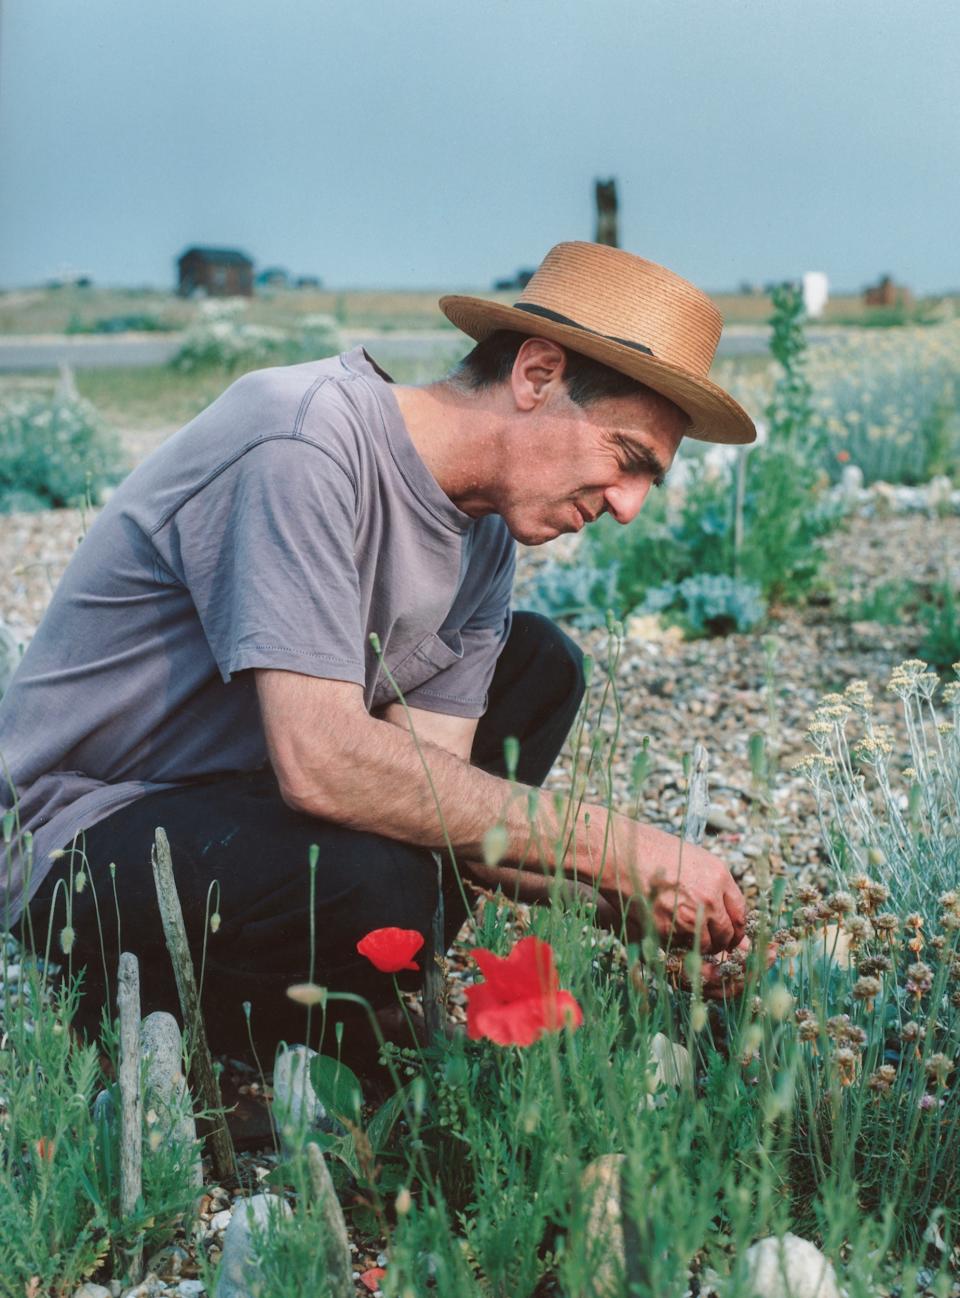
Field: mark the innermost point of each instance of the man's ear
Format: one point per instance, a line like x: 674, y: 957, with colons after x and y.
x: 537, y: 372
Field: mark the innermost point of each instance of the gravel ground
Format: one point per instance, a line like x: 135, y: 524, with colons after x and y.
x: 716, y: 691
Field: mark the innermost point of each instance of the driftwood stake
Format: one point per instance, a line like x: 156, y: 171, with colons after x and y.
x: 698, y: 798
x: 336, y: 1245
x: 131, y: 1108
x: 201, y: 1061
x: 434, y: 977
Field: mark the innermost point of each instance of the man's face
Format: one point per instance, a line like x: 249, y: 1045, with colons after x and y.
x: 571, y: 463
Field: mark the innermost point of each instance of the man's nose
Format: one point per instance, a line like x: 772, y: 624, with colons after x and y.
x: 625, y: 500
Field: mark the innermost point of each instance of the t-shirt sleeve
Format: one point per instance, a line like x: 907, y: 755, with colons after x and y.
x: 266, y: 549
x: 461, y: 689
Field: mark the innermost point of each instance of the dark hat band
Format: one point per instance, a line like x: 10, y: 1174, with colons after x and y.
x: 557, y: 318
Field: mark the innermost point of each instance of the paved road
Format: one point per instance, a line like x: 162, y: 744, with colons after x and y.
x: 47, y: 353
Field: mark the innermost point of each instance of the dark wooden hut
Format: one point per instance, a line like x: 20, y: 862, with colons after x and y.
x: 218, y: 272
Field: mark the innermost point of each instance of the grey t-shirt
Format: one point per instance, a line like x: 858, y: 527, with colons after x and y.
x: 279, y: 528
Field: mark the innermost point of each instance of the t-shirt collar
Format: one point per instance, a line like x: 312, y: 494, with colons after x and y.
x: 415, y: 473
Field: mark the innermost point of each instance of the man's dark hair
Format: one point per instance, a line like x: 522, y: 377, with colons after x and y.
x: 491, y: 363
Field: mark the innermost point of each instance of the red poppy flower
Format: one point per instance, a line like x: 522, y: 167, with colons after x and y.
x: 391, y: 949
x: 371, y: 1279
x: 843, y: 456
x: 521, y: 998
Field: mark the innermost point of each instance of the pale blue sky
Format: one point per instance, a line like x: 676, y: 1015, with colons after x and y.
x: 446, y: 142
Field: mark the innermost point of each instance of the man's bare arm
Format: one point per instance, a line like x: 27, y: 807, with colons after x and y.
x: 333, y: 760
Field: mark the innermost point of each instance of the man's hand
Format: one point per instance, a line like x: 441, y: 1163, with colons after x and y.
x: 683, y: 890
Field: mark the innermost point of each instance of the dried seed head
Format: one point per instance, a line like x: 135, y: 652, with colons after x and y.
x: 846, y: 1062
x: 808, y: 895
x: 808, y: 1030
x: 871, y: 965
x: 886, y: 923
x: 910, y: 1031
x: 919, y: 978
x: 877, y: 894
x: 938, y: 1068
x: 859, y: 929
x: 779, y: 1002
x: 842, y: 903
x: 867, y: 989
x: 808, y: 918
x: 914, y: 920
x: 837, y: 1025
x: 882, y: 1079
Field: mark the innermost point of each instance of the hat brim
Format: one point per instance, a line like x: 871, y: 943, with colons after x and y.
x: 715, y: 416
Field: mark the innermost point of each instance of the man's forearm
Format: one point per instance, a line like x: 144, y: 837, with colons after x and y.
x: 426, y: 795
x: 335, y: 761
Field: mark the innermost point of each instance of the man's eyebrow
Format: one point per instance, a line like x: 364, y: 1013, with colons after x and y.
x: 645, y: 459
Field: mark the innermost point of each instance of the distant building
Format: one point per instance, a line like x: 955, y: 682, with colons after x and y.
x: 887, y: 293
x: 218, y: 272
x: 309, y: 281
x: 519, y: 280
x: 273, y: 277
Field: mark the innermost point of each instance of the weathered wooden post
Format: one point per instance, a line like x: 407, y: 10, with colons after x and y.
x: 698, y: 798
x: 606, y: 198
x: 201, y: 1061
x: 131, y: 1108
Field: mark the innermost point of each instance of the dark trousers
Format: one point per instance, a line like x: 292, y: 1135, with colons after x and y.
x: 238, y: 832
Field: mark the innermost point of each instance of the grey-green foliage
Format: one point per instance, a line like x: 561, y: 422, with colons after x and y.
x: 709, y: 603
x: 55, y: 452
x: 578, y: 592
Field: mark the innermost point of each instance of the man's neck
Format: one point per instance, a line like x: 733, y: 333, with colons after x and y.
x: 455, y: 436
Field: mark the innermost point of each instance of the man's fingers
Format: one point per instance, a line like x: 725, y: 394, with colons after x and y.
x: 721, y: 932
x: 736, y: 908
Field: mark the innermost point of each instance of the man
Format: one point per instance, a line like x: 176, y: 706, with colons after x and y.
x: 291, y: 626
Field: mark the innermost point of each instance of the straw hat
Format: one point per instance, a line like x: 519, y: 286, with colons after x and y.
x: 633, y: 315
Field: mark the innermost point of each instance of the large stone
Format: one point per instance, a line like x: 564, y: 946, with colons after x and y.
x: 602, y: 1187
x: 296, y: 1106
x: 167, y: 1106
x: 89, y: 1290
x: 672, y: 1069
x: 239, y: 1266
x: 789, y: 1268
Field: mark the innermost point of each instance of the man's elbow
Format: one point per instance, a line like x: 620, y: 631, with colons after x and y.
x: 309, y: 794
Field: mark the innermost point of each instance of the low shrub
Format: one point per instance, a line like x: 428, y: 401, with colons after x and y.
x: 220, y: 339
x: 55, y: 452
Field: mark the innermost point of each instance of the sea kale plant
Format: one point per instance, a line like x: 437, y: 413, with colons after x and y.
x: 55, y: 452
